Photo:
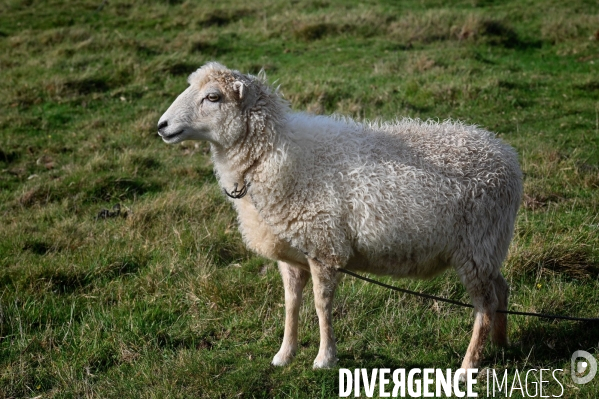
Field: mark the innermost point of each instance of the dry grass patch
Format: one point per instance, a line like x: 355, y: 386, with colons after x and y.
x: 562, y: 260
x: 443, y: 25
x: 558, y: 252
x: 562, y: 28
x: 223, y: 17
x: 308, y: 27
x: 146, y: 123
x: 425, y: 27
x: 419, y: 63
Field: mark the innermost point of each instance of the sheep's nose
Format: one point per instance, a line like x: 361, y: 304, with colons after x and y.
x: 162, y: 125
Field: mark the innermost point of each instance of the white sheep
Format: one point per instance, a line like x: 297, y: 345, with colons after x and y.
x: 406, y: 199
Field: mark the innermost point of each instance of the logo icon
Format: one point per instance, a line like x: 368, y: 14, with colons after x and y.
x: 579, y: 368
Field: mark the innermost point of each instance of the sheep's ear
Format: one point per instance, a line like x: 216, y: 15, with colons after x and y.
x: 239, y: 87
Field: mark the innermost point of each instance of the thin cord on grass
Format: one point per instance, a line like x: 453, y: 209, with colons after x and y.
x: 466, y: 305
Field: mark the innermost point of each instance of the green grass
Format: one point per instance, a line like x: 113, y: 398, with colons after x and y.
x: 163, y: 300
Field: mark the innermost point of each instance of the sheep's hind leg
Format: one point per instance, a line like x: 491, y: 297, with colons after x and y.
x: 294, y: 281
x: 324, y: 280
x: 499, y: 329
x: 484, y: 299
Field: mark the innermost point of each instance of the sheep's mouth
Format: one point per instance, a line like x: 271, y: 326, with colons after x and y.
x: 172, y: 136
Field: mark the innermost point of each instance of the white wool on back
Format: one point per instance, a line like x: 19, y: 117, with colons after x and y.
x: 407, y: 196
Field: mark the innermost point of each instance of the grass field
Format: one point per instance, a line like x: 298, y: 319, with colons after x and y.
x: 160, y: 298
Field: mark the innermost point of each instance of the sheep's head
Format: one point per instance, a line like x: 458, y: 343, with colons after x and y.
x: 219, y: 106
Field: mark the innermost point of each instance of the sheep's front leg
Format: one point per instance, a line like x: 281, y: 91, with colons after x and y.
x: 294, y: 281
x: 324, y: 280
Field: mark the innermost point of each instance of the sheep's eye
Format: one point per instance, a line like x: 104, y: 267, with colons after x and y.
x: 213, y: 97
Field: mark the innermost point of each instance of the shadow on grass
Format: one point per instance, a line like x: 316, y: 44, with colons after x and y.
x: 106, y: 188
x: 69, y: 280
x: 497, y: 33
x: 549, y: 343
x: 38, y: 247
x: 556, y: 341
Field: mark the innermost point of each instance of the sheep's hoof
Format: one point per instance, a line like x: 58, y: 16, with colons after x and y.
x: 325, y: 363
x: 463, y: 376
x: 282, y: 359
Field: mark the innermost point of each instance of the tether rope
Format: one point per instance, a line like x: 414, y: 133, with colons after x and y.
x: 466, y: 305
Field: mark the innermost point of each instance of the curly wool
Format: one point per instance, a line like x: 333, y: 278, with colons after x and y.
x: 410, y: 197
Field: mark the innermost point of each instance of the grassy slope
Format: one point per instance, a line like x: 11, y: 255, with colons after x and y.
x: 166, y: 302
